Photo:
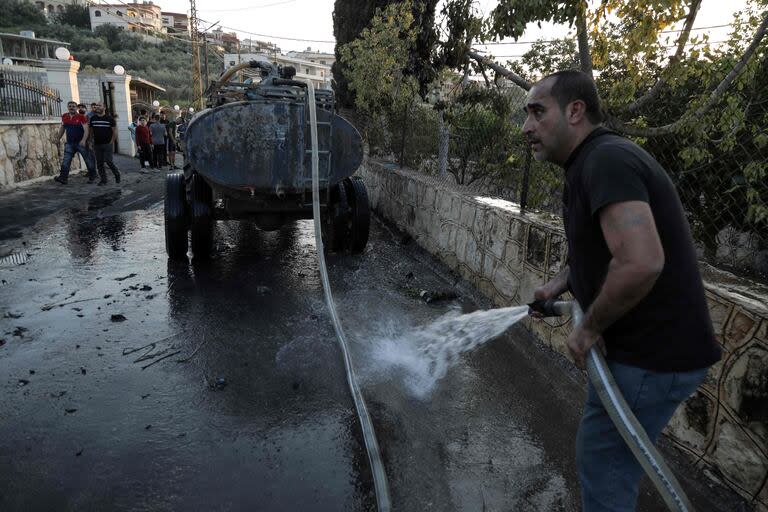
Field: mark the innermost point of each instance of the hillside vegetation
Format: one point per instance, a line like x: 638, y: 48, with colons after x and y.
x: 167, y: 64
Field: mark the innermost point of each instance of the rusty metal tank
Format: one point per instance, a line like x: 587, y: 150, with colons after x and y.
x: 248, y: 157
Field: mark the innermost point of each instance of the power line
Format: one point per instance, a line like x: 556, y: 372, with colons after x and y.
x: 668, y: 46
x: 550, y: 41
x: 248, y: 8
x: 274, y: 37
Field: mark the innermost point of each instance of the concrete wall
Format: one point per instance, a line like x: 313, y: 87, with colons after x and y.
x: 90, y: 89
x: 724, y: 426
x: 27, y: 151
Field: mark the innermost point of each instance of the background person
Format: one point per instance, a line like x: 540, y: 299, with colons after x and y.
x: 170, y: 130
x: 633, y: 269
x: 157, y: 129
x: 144, y: 140
x: 75, y: 125
x: 104, y: 131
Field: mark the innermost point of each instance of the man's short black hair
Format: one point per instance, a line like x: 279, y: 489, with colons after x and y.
x: 571, y: 85
x: 71, y: 103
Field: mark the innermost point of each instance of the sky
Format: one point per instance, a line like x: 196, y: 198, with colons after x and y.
x: 285, y: 21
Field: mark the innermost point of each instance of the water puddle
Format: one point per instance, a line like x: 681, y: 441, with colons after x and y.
x: 422, y: 356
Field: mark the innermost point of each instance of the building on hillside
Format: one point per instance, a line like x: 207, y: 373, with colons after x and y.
x: 175, y: 22
x: 51, y: 7
x: 326, y: 59
x: 132, y: 17
x: 27, y: 49
x: 319, y: 74
x: 143, y: 93
x: 256, y: 46
x: 227, y: 41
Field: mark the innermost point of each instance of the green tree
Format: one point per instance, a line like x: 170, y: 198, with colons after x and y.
x: 19, y: 13
x: 75, y: 15
x: 350, y: 17
x: 698, y: 110
x: 377, y: 69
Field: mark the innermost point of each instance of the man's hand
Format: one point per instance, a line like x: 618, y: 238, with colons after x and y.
x: 552, y: 289
x: 580, y: 341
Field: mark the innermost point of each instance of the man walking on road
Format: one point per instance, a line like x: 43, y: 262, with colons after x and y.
x: 104, y: 131
x: 158, y: 142
x: 633, y: 269
x: 75, y: 125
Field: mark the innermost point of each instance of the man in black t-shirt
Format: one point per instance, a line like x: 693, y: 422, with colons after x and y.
x: 633, y: 269
x: 104, y: 131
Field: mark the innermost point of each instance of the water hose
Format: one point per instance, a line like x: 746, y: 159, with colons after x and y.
x: 380, y: 485
x: 622, y: 416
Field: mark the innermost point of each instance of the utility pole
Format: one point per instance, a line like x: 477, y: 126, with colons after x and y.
x: 197, y: 84
x: 205, y: 53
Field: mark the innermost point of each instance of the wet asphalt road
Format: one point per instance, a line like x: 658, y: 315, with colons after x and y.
x: 131, y: 383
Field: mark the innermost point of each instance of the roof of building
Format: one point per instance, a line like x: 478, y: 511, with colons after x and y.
x: 146, y: 83
x: 179, y: 14
x: 17, y: 36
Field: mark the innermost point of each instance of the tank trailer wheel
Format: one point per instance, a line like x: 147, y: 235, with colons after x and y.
x: 335, y: 225
x: 202, y: 218
x: 176, y: 220
x: 359, y: 218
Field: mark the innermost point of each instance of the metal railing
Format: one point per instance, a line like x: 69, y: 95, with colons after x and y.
x: 22, y: 97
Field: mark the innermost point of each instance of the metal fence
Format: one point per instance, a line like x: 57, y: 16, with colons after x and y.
x: 22, y: 97
x: 475, y: 141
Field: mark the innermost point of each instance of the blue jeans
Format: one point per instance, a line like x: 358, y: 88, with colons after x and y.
x: 69, y: 154
x: 608, y: 472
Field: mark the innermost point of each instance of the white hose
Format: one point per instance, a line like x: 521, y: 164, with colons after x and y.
x: 369, y: 435
x: 627, y: 424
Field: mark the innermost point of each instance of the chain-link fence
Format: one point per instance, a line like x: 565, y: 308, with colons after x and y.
x: 475, y: 141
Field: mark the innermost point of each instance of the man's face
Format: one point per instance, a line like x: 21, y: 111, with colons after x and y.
x: 143, y: 122
x: 81, y: 109
x: 72, y: 108
x: 99, y: 108
x: 94, y: 107
x: 545, y: 127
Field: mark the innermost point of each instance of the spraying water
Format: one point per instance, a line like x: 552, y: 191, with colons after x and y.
x: 423, y: 356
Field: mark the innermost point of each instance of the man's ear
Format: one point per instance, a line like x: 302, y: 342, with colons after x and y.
x: 576, y: 111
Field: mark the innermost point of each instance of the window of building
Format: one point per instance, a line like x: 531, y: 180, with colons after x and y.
x: 231, y: 63
x: 322, y: 62
x: 97, y: 14
x: 306, y: 71
x: 120, y: 13
x: 40, y: 5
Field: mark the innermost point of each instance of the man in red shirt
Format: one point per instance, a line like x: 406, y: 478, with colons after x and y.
x: 144, y: 140
x: 76, y: 127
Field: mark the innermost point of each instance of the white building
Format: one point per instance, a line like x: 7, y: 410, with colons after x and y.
x: 175, y: 22
x: 131, y: 17
x: 51, y: 7
x: 319, y: 74
x: 327, y: 59
x: 258, y: 46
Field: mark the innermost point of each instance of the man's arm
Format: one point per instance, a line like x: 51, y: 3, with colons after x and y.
x: 86, y: 133
x: 59, y: 133
x: 114, y: 134
x: 637, y: 260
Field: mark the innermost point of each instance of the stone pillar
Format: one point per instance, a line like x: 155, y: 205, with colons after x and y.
x: 62, y: 76
x: 122, y: 96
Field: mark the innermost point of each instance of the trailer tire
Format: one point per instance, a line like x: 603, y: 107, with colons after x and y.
x: 359, y: 216
x: 176, y: 219
x: 202, y: 218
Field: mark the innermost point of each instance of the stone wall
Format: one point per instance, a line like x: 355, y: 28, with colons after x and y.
x: 27, y: 151
x: 506, y: 255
